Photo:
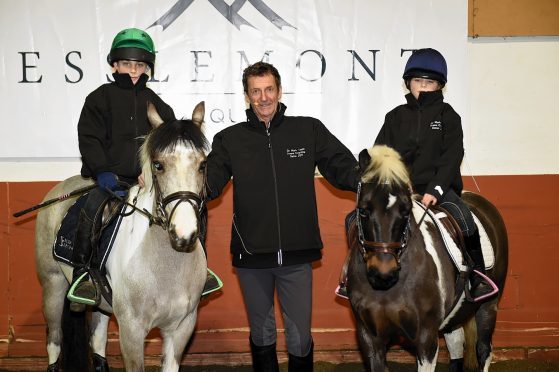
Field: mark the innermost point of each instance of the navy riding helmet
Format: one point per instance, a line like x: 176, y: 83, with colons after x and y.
x: 426, y: 63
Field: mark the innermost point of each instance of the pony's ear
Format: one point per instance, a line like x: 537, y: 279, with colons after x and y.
x: 364, y: 160
x: 153, y: 116
x: 198, y: 114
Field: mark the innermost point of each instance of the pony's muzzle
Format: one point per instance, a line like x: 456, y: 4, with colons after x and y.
x: 383, y: 271
x: 185, y: 244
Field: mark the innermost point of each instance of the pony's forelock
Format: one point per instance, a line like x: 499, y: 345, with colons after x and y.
x: 387, y: 166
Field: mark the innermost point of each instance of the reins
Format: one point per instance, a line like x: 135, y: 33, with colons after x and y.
x: 160, y: 218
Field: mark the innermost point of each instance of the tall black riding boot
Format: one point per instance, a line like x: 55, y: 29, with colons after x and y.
x: 264, y: 358
x: 84, y: 292
x: 301, y: 364
x: 479, y: 286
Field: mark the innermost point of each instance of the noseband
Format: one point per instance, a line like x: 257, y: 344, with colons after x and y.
x: 396, y: 249
x: 161, y: 218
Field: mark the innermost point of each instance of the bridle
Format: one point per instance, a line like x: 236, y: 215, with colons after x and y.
x: 197, y: 201
x: 396, y: 249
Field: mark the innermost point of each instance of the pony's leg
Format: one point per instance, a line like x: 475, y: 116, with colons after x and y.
x: 455, y: 345
x: 132, y: 336
x: 427, y: 351
x: 486, y: 318
x: 372, y: 348
x: 99, y: 327
x: 54, y: 292
x: 174, y: 342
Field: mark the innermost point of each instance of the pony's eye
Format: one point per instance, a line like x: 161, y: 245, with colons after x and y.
x: 363, y: 213
x: 158, y: 166
x: 202, y: 168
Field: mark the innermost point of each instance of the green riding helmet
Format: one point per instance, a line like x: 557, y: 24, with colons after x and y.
x: 132, y: 44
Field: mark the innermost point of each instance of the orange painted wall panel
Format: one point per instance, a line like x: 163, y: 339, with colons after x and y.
x: 529, y: 314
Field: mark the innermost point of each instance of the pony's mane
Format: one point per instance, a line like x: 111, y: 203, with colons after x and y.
x: 386, y: 167
x: 165, y: 138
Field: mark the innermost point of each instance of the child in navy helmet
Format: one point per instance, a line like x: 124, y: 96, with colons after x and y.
x: 111, y: 128
x: 427, y: 133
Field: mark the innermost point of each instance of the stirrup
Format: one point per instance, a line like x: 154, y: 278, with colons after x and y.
x: 485, y: 279
x: 341, y: 291
x: 81, y: 300
x: 215, y: 287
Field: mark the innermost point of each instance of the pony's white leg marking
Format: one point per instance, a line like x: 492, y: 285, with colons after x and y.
x: 455, y: 343
x: 488, y: 361
x: 430, y: 247
x: 170, y: 363
x: 53, y: 351
x: 426, y: 366
x: 99, y: 333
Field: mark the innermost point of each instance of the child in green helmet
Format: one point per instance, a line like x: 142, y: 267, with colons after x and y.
x: 427, y: 133
x: 111, y: 128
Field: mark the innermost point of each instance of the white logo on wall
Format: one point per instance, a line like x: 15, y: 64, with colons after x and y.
x: 230, y: 12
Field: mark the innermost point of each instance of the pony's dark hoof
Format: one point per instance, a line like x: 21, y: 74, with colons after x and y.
x: 53, y: 367
x: 456, y: 365
x: 100, y: 364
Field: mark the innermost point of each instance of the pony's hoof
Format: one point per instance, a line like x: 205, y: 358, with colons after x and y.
x: 100, y: 364
x: 53, y: 367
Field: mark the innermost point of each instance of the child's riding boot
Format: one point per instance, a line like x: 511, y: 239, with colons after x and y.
x: 479, y: 286
x: 213, y: 283
x: 82, y: 290
x: 342, y: 287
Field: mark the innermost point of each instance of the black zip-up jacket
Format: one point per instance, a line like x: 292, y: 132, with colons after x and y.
x: 427, y: 133
x: 275, y: 220
x: 112, y: 126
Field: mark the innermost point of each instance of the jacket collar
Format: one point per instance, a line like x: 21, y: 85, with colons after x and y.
x: 425, y: 98
x: 124, y: 81
x: 253, y: 120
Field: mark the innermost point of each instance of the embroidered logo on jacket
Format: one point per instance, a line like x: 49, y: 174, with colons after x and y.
x: 436, y: 125
x: 296, y: 153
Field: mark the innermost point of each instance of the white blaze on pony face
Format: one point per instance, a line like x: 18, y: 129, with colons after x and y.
x: 179, y: 167
x: 391, y: 201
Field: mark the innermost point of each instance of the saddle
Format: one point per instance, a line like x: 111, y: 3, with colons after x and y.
x: 454, y: 240
x: 451, y: 226
x: 102, y: 240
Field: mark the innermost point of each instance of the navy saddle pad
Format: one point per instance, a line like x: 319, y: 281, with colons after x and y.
x: 65, y: 238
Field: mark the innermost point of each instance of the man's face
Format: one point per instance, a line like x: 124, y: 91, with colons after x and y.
x: 263, y: 95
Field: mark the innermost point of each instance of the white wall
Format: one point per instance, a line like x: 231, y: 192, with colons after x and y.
x: 514, y: 114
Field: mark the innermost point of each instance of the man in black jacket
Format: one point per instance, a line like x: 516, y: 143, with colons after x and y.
x: 275, y: 234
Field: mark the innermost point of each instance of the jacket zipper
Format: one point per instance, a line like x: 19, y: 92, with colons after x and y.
x: 419, y: 114
x: 280, y: 255
x: 135, y: 123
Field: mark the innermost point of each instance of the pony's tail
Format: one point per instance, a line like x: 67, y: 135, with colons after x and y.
x: 470, y: 340
x: 75, y: 348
